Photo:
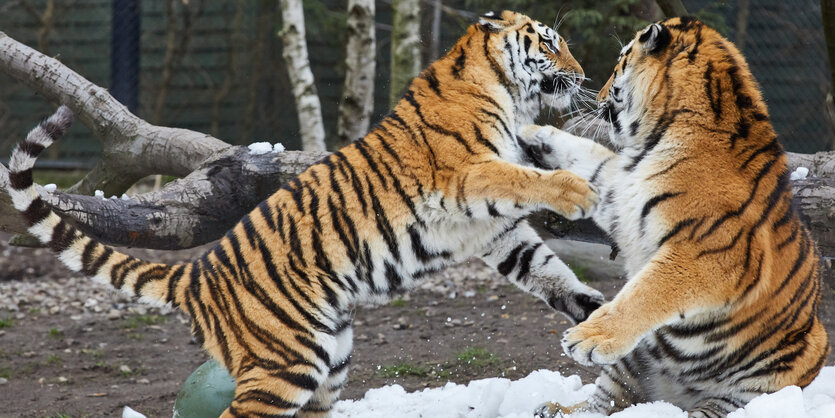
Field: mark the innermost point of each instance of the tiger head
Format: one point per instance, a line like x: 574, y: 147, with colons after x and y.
x: 534, y: 58
x: 675, y: 67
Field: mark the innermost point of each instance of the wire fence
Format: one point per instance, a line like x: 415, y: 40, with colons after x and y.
x: 215, y: 66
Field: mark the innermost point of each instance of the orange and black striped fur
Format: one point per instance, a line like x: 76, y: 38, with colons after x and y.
x: 724, y: 279
x: 436, y: 182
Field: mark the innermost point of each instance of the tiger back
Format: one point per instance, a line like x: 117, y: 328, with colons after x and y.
x: 438, y: 181
x: 724, y: 279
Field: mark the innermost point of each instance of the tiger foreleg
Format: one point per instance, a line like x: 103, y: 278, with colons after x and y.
x: 669, y: 286
x: 520, y: 255
x: 498, y: 188
x: 553, y: 148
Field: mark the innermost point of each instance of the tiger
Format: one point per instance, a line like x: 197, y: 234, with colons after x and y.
x: 439, y: 180
x: 724, y: 280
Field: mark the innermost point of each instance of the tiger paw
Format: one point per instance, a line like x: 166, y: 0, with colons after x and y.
x: 599, y: 340
x: 538, y: 142
x: 555, y: 410
x: 571, y: 196
x: 577, y: 305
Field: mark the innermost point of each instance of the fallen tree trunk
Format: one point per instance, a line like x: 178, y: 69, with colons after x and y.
x: 228, y: 182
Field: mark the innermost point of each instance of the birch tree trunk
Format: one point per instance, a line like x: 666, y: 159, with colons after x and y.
x: 435, y: 42
x: 358, y: 92
x: 311, y: 127
x: 405, y: 46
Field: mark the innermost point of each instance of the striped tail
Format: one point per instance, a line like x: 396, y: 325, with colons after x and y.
x: 153, y: 282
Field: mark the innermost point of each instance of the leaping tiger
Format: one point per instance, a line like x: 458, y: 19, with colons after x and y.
x: 438, y: 181
x: 724, y: 279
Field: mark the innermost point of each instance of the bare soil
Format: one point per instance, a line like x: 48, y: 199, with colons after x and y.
x: 71, y: 363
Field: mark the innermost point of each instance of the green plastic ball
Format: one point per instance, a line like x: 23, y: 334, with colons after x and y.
x: 206, y: 393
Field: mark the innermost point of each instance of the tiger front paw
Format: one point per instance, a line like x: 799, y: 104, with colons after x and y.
x: 577, y: 304
x: 540, y: 144
x: 599, y: 340
x: 571, y: 196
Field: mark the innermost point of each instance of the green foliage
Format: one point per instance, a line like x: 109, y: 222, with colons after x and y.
x: 135, y: 321
x: 582, y: 272
x: 53, y: 359
x: 6, y: 323
x: 55, y: 333
x: 398, y: 303
x: 477, y: 357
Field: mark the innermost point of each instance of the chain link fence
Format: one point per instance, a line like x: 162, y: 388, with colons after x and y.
x: 785, y: 47
x: 215, y: 65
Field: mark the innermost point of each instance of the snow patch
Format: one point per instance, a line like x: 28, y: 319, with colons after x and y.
x: 51, y: 187
x: 100, y: 194
x: 799, y: 173
x: 500, y: 397
x: 130, y: 413
x: 260, y: 148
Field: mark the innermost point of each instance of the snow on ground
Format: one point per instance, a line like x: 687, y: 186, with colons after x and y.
x: 498, y: 397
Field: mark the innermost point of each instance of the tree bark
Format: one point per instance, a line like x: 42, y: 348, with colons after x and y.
x: 672, y: 8
x: 221, y: 183
x: 358, y: 92
x: 405, y: 47
x: 311, y: 127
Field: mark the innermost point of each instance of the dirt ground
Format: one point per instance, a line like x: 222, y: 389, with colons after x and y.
x: 90, y: 361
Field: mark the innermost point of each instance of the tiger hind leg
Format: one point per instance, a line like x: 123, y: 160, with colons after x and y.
x: 716, y: 407
x: 618, y: 387
x: 321, y: 403
x: 279, y: 392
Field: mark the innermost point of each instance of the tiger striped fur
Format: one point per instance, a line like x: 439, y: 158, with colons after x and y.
x: 436, y: 182
x: 724, y: 279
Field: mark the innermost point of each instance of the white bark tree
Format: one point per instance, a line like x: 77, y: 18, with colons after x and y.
x: 405, y: 46
x: 311, y: 127
x: 358, y: 91
x: 435, y: 40
x: 220, y: 183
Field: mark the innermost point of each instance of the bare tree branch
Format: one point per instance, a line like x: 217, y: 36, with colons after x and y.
x: 149, y: 149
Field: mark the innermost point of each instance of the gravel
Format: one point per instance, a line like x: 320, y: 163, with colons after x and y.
x: 81, y: 298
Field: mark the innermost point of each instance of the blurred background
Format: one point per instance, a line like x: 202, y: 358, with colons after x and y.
x: 217, y: 67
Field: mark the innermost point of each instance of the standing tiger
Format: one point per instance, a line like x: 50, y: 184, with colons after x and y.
x: 436, y: 182
x: 724, y: 279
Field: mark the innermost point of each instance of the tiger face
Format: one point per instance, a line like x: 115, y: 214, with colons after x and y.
x: 536, y: 60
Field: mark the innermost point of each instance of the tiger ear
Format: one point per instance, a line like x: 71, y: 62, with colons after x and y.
x: 655, y: 38
x: 493, y: 22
